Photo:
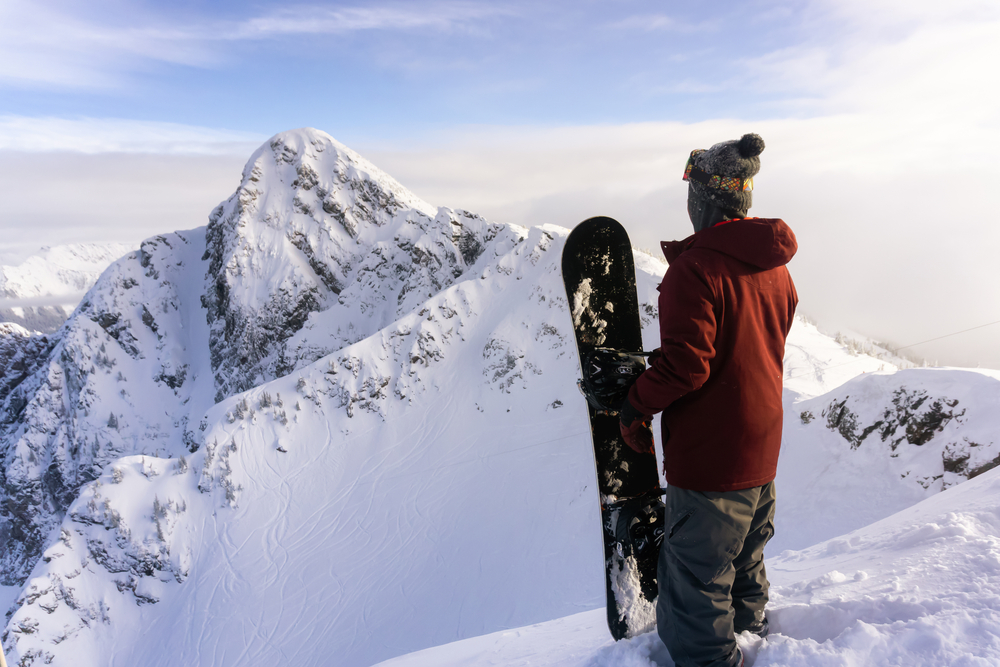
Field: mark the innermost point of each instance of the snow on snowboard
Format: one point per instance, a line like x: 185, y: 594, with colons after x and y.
x: 599, y: 273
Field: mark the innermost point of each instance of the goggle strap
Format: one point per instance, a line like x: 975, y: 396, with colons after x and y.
x: 730, y: 183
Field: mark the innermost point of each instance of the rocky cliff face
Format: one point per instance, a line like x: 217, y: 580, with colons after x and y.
x: 112, y: 382
x: 316, y: 249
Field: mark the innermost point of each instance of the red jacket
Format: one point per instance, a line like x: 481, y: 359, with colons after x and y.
x: 726, y: 305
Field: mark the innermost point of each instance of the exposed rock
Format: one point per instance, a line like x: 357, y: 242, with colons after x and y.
x: 931, y: 429
x: 317, y: 249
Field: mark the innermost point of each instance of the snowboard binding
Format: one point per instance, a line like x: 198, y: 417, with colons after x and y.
x: 637, y: 524
x: 608, y: 375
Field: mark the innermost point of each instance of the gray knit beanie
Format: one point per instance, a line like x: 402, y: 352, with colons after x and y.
x: 724, y: 173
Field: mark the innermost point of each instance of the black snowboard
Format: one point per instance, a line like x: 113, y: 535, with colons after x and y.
x: 599, y: 274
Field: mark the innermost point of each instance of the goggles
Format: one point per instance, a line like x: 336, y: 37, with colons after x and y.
x: 727, y: 183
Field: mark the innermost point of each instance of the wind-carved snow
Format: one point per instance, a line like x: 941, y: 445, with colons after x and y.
x: 342, y: 460
x: 918, y: 588
x: 915, y: 431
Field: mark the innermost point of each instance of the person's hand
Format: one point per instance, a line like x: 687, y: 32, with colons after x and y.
x: 635, y: 428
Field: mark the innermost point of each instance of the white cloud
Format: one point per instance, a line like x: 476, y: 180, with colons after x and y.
x: 69, y: 300
x: 876, y: 15
x: 656, y: 22
x: 893, y: 237
x: 42, y: 44
x: 910, y: 61
x: 890, y: 245
x: 117, y: 135
x: 53, y: 198
x: 884, y: 169
x: 305, y: 19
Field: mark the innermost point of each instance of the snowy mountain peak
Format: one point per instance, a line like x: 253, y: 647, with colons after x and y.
x: 318, y: 248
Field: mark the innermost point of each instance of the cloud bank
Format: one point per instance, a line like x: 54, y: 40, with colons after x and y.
x: 120, y: 135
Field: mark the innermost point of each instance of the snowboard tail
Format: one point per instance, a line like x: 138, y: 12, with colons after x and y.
x: 599, y: 274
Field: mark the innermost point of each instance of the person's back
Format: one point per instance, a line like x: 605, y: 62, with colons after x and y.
x: 726, y: 306
x: 728, y: 290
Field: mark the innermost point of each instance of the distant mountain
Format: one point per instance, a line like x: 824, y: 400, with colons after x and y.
x: 40, y: 292
x: 337, y: 421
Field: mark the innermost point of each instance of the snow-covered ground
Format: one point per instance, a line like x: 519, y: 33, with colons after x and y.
x: 919, y: 588
x: 342, y: 422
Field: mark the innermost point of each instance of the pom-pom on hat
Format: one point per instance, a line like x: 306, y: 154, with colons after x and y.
x: 724, y: 173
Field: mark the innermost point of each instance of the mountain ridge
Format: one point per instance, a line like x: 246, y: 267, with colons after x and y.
x: 129, y: 326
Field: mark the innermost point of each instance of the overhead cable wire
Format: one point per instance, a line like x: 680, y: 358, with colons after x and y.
x: 948, y: 335
x: 894, y: 350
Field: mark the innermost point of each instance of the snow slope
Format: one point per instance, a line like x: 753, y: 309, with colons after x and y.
x: 338, y: 421
x: 316, y: 249
x: 878, y: 444
x: 446, y: 380
x: 40, y: 292
x: 383, y: 486
x: 816, y: 363
x: 919, y: 588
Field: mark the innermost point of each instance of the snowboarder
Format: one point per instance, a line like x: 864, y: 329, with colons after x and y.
x: 726, y: 305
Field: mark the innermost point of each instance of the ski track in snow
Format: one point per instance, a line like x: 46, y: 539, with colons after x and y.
x: 429, y: 479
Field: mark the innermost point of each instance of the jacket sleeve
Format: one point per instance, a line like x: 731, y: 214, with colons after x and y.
x: 687, y: 338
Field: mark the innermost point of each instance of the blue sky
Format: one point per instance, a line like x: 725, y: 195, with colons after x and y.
x: 375, y: 69
x: 120, y: 120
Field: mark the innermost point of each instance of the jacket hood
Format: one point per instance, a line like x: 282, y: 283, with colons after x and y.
x: 765, y: 243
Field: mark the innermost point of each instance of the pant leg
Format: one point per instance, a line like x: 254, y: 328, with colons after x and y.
x: 750, y: 585
x: 696, y: 573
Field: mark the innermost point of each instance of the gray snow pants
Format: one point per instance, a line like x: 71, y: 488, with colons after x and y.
x: 711, y: 571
